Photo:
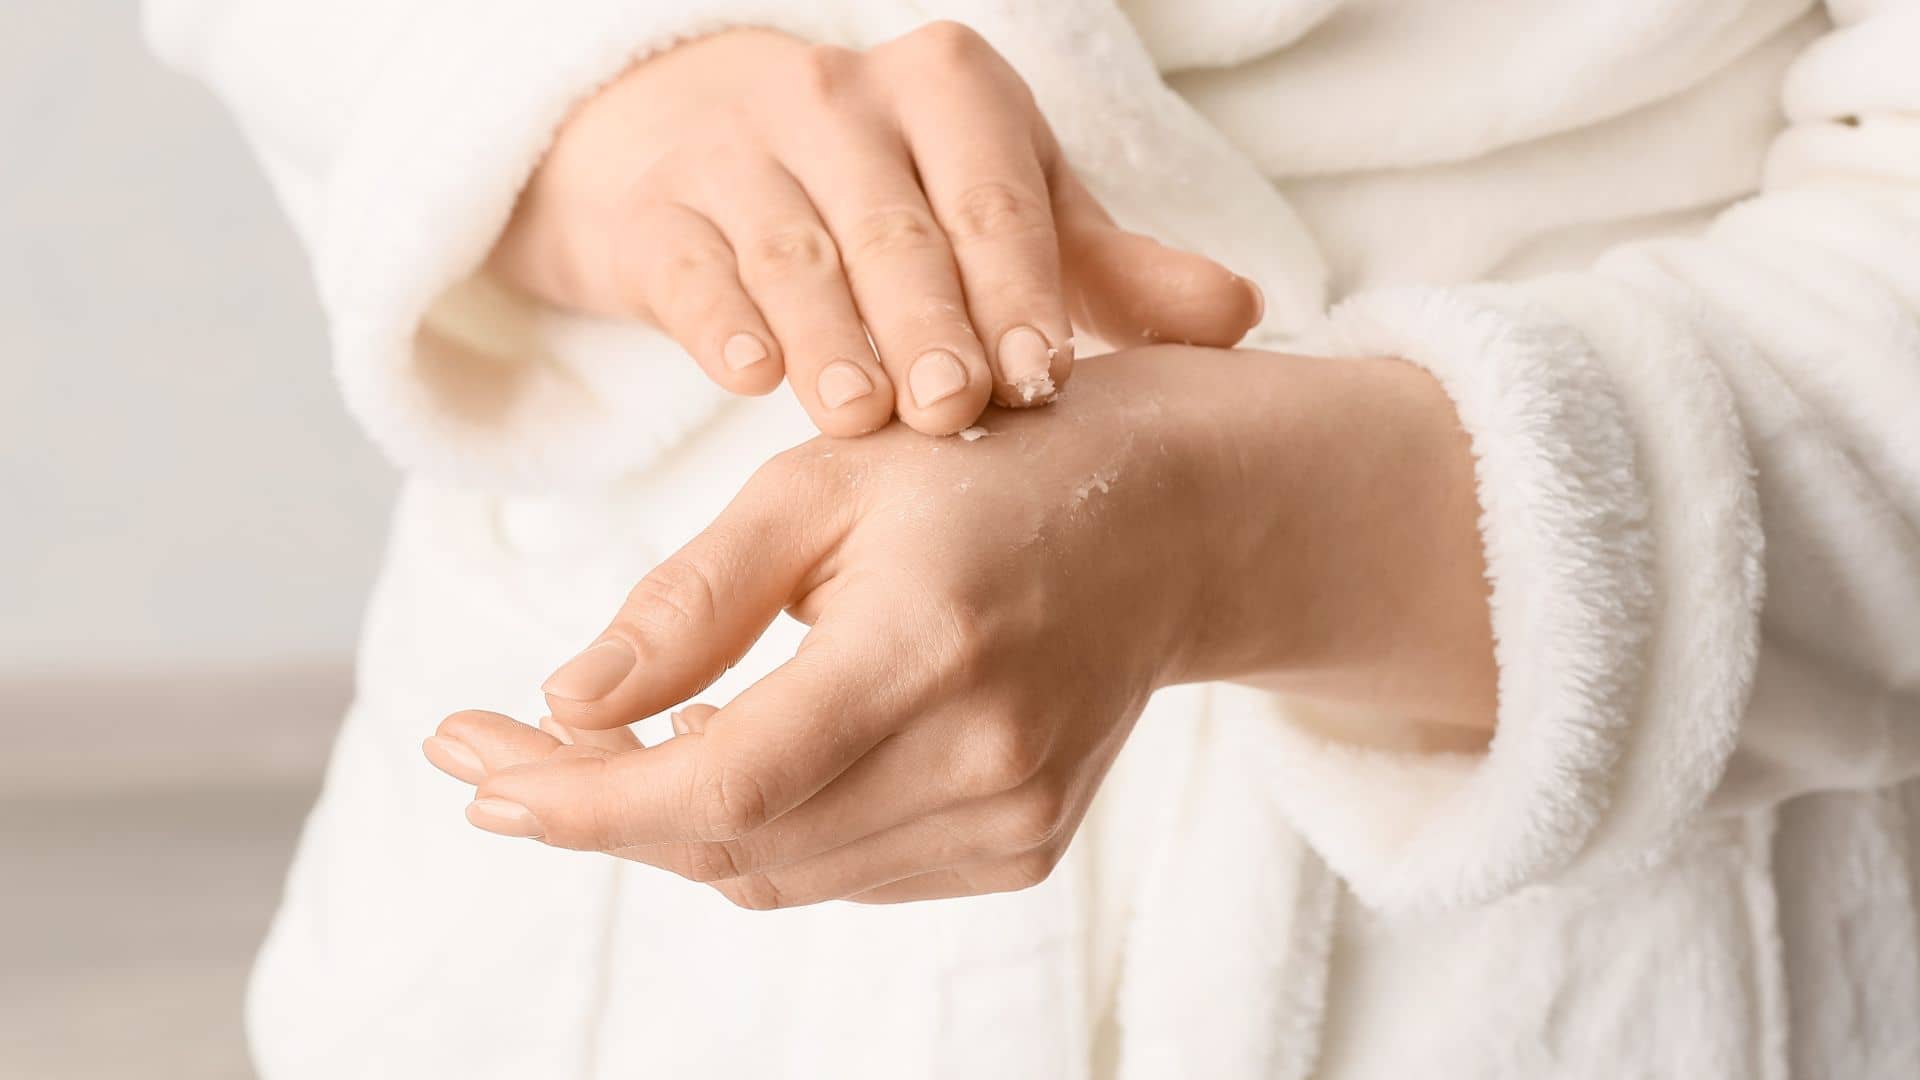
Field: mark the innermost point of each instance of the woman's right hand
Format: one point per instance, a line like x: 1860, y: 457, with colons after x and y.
x: 894, y: 230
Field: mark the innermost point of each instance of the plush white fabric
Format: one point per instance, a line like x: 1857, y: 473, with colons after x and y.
x: 1663, y: 254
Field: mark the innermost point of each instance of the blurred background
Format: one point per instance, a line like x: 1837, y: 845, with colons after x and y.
x: 191, y: 525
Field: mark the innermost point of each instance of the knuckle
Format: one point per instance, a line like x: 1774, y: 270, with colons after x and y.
x: 997, y: 208
x: 1007, y: 754
x: 711, y: 861
x: 797, y: 250
x: 893, y: 232
x: 946, y: 39
x: 676, y: 595
x: 1031, y: 869
x: 731, y: 804
x: 971, y: 634
x: 1036, y: 814
x: 688, y: 265
x: 754, y: 893
x: 824, y: 72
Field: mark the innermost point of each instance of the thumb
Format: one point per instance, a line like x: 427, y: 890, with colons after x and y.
x: 698, y: 612
x: 1129, y: 289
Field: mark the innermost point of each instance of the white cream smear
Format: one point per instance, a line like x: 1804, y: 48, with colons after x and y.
x: 1035, y: 390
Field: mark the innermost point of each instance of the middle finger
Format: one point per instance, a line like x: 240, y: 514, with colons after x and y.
x: 899, y: 267
x: 790, y: 267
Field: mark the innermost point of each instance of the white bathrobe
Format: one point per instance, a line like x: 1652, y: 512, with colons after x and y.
x: 1663, y: 254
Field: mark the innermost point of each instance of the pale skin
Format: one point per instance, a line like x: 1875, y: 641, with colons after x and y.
x: 895, y: 232
x: 988, y: 619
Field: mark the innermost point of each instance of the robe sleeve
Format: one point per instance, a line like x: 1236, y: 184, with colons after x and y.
x: 1655, y: 437
x: 398, y: 134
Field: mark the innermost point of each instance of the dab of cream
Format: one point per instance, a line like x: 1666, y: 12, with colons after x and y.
x: 1035, y: 390
x: 1101, y: 482
x: 1038, y: 388
x: 974, y: 433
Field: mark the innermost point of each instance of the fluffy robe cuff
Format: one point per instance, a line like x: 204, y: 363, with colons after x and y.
x: 452, y: 375
x: 1621, y: 538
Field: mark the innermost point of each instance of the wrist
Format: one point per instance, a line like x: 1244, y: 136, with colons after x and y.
x: 1347, y: 554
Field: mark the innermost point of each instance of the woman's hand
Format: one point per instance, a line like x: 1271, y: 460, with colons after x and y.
x: 989, y: 617
x: 879, y: 227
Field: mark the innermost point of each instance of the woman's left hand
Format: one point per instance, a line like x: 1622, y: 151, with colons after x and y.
x: 989, y: 618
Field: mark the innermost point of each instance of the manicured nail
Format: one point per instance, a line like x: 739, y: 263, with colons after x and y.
x: 842, y: 382
x: 593, y: 674
x: 678, y: 719
x: 1259, y: 300
x: 743, y: 351
x: 1026, y: 363
x: 936, y: 376
x: 455, y: 758
x: 556, y: 729
x: 503, y: 817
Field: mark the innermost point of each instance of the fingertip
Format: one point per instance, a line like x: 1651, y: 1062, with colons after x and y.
x: 453, y: 757
x: 857, y: 416
x: 846, y: 397
x: 591, y: 740
x: 692, y: 719
x: 559, y: 791
x: 1216, y: 309
x: 1031, y: 366
x: 503, y: 817
x: 756, y: 384
x: 1063, y: 358
x: 1221, y: 314
x: 526, y: 781
x: 467, y: 721
x: 953, y: 415
x: 750, y: 364
x: 497, y: 741
x: 1136, y: 290
x: 1242, y: 307
x: 744, y: 351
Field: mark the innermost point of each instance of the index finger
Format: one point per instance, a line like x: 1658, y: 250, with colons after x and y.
x: 769, y: 750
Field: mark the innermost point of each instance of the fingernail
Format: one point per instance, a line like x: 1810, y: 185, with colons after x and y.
x: 679, y: 720
x: 1026, y: 363
x: 842, y: 382
x: 503, y: 817
x: 556, y: 729
x: 1259, y: 301
x: 743, y: 351
x: 455, y: 758
x: 936, y: 376
x: 593, y: 674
